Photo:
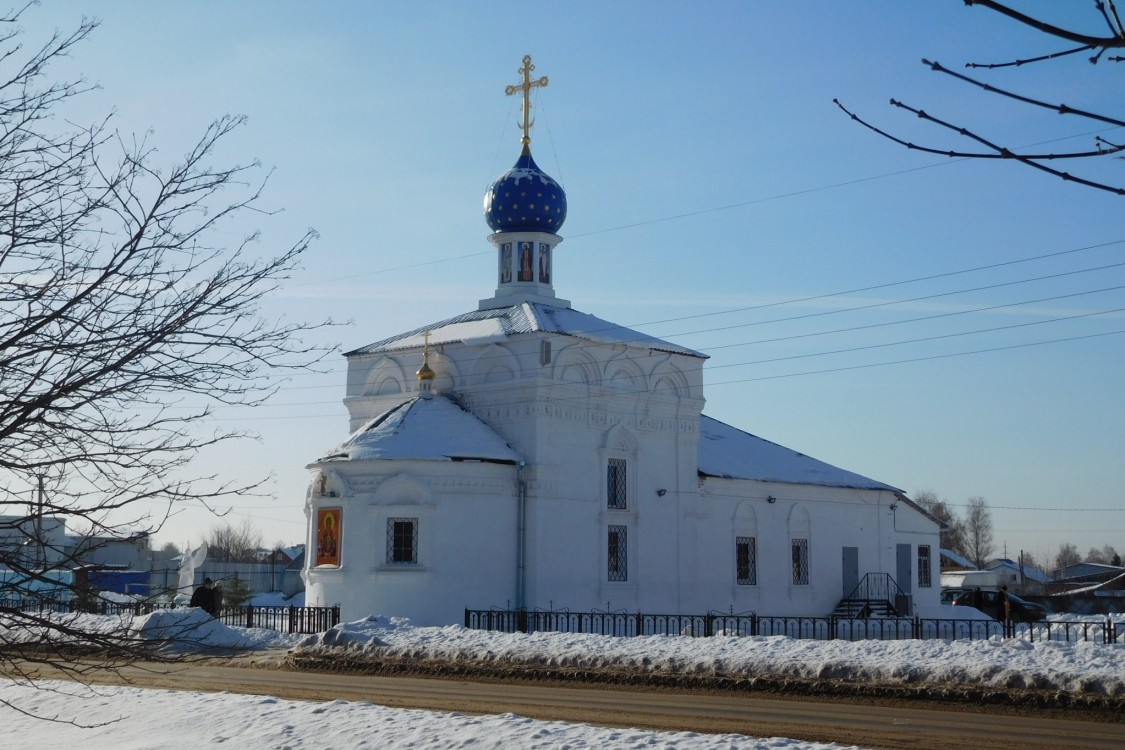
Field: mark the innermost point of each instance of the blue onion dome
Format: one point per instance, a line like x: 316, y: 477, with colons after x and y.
x: 525, y: 199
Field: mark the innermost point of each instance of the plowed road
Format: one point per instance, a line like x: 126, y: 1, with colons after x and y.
x: 870, y: 726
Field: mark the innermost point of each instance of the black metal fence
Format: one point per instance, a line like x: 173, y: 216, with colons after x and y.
x: 283, y: 619
x: 811, y: 628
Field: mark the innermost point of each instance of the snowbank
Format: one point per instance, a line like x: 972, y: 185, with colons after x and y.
x: 995, y: 662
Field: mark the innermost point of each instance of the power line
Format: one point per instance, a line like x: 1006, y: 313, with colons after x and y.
x: 886, y: 285
x: 935, y: 337
x: 923, y: 359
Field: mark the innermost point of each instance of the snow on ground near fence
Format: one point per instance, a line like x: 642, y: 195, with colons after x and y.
x: 168, y: 720
x: 164, y: 719
x: 177, y: 630
x: 995, y: 662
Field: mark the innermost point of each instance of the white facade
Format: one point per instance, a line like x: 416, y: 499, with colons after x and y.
x: 567, y: 403
x: 545, y: 458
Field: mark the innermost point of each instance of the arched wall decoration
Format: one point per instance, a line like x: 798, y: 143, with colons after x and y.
x: 621, y: 372
x: 574, y: 365
x: 799, y: 524
x: 385, y: 378
x: 620, y: 440
x: 745, y: 519
x: 446, y: 374
x: 669, y: 381
x: 401, y: 489
x: 495, y: 364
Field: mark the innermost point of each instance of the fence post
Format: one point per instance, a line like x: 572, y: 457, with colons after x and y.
x: 249, y: 616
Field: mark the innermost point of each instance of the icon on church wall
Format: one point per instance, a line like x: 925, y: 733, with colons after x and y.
x: 505, y: 262
x: 525, y: 262
x: 544, y: 263
x: 328, y: 536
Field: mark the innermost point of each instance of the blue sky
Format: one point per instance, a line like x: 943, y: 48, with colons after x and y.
x: 712, y: 185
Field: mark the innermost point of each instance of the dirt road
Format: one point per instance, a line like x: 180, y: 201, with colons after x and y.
x: 872, y: 726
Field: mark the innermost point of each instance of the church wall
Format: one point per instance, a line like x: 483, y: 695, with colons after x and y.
x: 558, y: 414
x: 569, y: 408
x: 570, y: 519
x: 466, y: 539
x: 829, y: 518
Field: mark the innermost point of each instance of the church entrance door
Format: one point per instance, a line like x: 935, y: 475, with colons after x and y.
x: 851, y: 569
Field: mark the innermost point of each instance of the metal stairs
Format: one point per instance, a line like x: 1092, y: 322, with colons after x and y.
x: 877, y: 595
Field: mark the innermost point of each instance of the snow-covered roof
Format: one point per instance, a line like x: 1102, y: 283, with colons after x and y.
x: 726, y: 451
x: 499, y: 324
x: 954, y: 557
x: 425, y: 429
x: 1027, y: 571
x: 1091, y: 570
x: 293, y: 551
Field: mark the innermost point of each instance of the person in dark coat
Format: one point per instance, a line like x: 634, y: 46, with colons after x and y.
x: 204, y: 597
x: 217, y: 604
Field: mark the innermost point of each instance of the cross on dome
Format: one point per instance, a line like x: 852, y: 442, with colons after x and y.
x: 526, y: 86
x: 524, y: 208
x: 425, y: 372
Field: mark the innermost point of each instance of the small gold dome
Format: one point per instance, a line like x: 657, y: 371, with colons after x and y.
x: 424, y: 372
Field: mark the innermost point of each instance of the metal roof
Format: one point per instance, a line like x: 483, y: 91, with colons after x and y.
x: 498, y: 324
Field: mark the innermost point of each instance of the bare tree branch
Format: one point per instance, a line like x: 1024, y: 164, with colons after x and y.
x: 994, y: 149
x: 1091, y: 42
x: 126, y: 312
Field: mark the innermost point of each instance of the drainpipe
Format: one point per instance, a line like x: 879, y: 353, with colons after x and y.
x: 521, y: 532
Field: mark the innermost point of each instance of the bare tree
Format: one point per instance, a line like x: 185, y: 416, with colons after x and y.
x: 167, y: 552
x: 1067, y: 556
x: 978, y: 531
x: 1104, y: 556
x: 242, y: 543
x: 953, y: 536
x: 125, y: 315
x: 1103, y: 14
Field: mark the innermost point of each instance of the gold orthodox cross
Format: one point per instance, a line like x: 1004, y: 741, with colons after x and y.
x: 526, y: 88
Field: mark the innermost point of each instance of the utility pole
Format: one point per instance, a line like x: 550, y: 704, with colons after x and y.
x: 41, y: 552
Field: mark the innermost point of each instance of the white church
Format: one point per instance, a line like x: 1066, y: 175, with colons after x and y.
x: 526, y: 455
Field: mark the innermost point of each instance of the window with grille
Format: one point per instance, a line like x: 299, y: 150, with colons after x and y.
x: 924, y: 576
x: 615, y: 484
x: 618, y: 567
x: 402, y: 541
x: 800, y: 549
x: 746, y: 560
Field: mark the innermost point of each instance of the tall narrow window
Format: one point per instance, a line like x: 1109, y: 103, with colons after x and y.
x: 746, y: 560
x: 618, y: 558
x: 924, y: 576
x: 402, y: 541
x: 615, y: 484
x: 800, y: 548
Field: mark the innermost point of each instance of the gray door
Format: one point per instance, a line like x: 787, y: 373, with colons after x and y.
x: 851, y: 569
x: 902, y: 576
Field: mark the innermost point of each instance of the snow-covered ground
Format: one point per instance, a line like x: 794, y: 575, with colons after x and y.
x: 139, y: 718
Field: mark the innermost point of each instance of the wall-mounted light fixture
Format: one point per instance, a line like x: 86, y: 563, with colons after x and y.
x: 771, y: 499
x: 894, y: 506
x: 662, y: 492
